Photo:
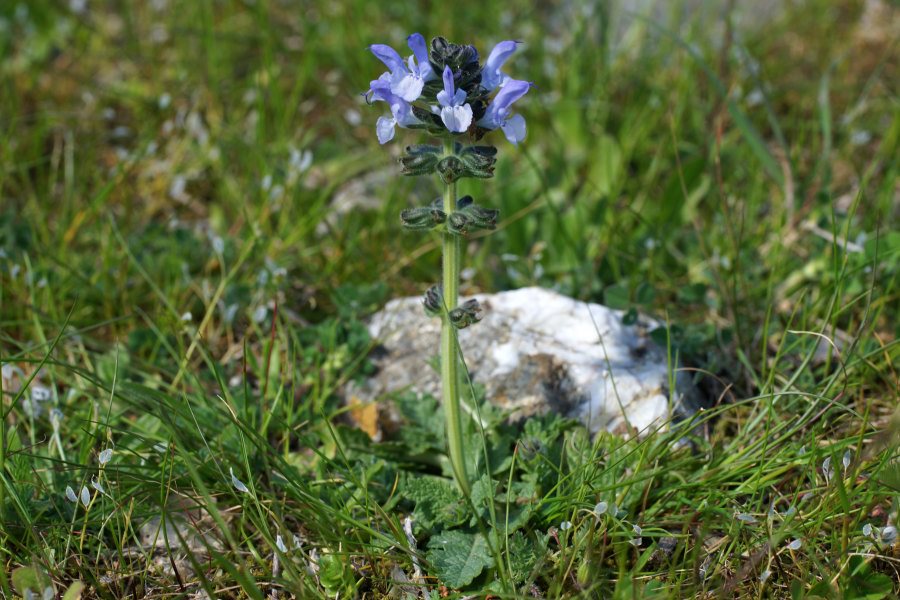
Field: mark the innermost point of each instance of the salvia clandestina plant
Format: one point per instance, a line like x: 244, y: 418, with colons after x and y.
x: 448, y: 94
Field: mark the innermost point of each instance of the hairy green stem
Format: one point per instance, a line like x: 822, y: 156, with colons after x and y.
x: 449, y: 351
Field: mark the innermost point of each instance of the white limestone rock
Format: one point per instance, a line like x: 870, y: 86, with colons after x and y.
x: 536, y: 351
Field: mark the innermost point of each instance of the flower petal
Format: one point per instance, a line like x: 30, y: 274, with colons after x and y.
x: 388, y: 56
x: 498, y: 109
x: 381, y: 88
x: 501, y: 53
x: 237, y: 483
x: 509, y: 93
x: 491, y: 77
x: 384, y: 129
x: 417, y: 44
x: 457, y: 118
x: 514, y: 129
x: 407, y: 86
x: 403, y: 114
x: 449, y: 88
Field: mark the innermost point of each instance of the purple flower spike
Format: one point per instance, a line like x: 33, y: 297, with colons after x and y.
x: 491, y: 76
x: 452, y: 103
x: 456, y: 116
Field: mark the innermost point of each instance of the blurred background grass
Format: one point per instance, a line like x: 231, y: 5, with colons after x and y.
x: 171, y: 172
x: 691, y: 158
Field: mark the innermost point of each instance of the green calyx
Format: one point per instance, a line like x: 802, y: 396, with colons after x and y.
x: 468, y: 313
x: 464, y: 161
x: 423, y: 218
x: 434, y: 301
x: 467, y: 218
x: 420, y: 159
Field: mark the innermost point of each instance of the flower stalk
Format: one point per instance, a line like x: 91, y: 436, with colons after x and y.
x: 450, y: 379
x: 446, y: 93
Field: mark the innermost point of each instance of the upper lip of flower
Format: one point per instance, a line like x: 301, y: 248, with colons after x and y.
x: 491, y: 76
x: 450, y: 95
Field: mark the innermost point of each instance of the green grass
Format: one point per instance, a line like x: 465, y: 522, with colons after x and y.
x: 737, y: 182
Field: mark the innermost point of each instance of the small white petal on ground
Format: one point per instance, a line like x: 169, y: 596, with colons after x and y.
x: 237, y: 483
x: 40, y: 393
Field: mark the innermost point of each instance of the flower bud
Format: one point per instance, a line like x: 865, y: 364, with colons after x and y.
x: 481, y: 218
x: 423, y: 218
x: 451, y: 168
x: 420, y: 159
x: 458, y: 223
x: 434, y: 301
x: 468, y: 313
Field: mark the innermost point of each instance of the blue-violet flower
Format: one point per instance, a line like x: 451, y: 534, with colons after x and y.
x: 401, y: 111
x: 456, y: 116
x: 406, y: 78
x: 498, y: 111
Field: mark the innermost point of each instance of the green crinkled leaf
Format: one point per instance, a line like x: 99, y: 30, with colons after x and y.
x: 436, y: 501
x: 458, y: 558
x: 521, y: 504
x: 423, y: 422
x: 19, y: 465
x: 483, y: 492
x: 523, y: 557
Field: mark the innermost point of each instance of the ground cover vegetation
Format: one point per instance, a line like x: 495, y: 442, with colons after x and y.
x: 196, y: 217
